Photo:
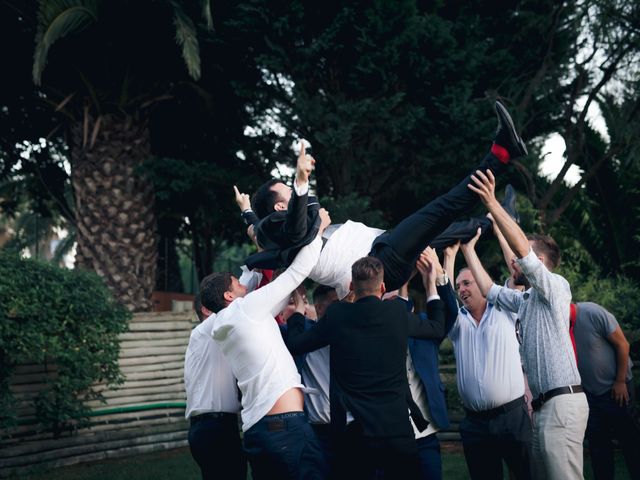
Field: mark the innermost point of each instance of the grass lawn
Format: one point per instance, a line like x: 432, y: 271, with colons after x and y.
x: 178, y: 465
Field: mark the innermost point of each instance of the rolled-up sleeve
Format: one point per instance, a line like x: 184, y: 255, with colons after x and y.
x: 505, y: 298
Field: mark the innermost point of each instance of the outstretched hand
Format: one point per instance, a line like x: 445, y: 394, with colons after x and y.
x: 242, y: 199
x: 451, y: 251
x: 471, y: 244
x: 305, y: 165
x: 485, y: 186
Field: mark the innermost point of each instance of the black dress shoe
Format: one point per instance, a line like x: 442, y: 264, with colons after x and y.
x: 509, y: 203
x: 506, y: 135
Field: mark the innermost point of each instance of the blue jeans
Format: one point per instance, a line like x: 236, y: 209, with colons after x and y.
x: 284, y: 446
x: 607, y: 420
x: 215, y: 441
x: 430, y: 458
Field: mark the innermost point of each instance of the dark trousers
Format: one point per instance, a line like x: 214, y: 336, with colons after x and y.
x: 488, y: 441
x: 284, y: 446
x: 214, y: 442
x: 463, y: 230
x: 324, y: 435
x: 399, y: 248
x: 430, y: 457
x: 366, y: 458
x: 607, y: 421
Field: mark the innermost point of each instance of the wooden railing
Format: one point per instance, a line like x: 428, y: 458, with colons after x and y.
x: 144, y: 414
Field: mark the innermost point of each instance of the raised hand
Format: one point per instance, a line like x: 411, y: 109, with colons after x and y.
x: 242, y: 199
x: 325, y: 219
x: 471, y: 244
x: 304, y: 167
x: 485, y: 186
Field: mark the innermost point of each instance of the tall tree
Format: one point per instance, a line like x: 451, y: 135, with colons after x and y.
x: 103, y: 66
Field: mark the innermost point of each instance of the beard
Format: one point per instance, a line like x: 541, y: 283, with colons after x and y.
x: 520, y: 280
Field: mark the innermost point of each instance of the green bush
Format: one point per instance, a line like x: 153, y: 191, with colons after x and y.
x: 54, y: 316
x: 618, y: 294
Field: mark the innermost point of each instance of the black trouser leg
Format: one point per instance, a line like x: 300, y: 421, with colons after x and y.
x: 463, y: 230
x: 216, y: 441
x: 399, y: 249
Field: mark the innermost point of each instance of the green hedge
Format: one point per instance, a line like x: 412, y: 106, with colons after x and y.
x: 54, y: 316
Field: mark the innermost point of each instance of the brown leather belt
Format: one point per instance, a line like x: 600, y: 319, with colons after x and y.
x: 545, y: 397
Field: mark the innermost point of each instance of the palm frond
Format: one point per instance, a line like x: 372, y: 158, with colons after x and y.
x: 64, y: 247
x: 206, y: 14
x: 187, y: 39
x: 56, y: 19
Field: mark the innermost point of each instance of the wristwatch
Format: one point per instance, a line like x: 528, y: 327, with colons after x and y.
x: 442, y: 280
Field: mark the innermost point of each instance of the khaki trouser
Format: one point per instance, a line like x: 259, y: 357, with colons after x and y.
x: 558, y: 432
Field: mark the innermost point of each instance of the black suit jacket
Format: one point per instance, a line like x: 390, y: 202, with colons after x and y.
x: 368, y: 341
x: 283, y: 233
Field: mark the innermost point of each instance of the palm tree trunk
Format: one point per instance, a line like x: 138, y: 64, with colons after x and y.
x: 116, y: 223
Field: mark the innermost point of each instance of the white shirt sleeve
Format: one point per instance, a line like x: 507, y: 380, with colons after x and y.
x: 273, y: 297
x: 302, y: 189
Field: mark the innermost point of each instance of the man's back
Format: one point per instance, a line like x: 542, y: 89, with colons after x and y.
x: 368, y: 354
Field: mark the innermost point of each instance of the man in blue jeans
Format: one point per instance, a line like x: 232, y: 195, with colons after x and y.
x: 278, y: 439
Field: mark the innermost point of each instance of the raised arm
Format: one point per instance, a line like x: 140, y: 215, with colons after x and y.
x: 295, y: 225
x: 449, y: 260
x: 274, y: 296
x: 433, y: 328
x: 484, y: 185
x: 480, y: 275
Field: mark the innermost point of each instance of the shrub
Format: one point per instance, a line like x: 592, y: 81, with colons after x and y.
x: 66, y: 318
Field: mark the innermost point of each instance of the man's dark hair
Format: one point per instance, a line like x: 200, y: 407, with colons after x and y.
x: 366, y: 275
x: 197, y: 307
x: 547, y: 246
x: 321, y: 292
x: 264, y: 199
x: 212, y: 290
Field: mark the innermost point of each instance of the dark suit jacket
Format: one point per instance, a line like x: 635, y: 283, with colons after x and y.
x: 368, y: 341
x: 282, y: 234
x: 424, y: 354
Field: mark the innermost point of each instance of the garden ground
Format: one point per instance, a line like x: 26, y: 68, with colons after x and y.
x: 178, y: 465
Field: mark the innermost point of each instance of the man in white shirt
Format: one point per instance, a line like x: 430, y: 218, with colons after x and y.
x: 278, y: 439
x: 212, y: 404
x: 490, y: 381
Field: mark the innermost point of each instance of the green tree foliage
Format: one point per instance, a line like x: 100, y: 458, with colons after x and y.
x: 63, y: 319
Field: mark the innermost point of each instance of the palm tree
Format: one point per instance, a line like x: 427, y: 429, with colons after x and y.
x: 103, y: 65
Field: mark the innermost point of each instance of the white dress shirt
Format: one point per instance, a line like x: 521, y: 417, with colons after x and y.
x: 488, y: 366
x: 315, y: 374
x: 208, y: 380
x: 251, y: 340
x: 347, y: 244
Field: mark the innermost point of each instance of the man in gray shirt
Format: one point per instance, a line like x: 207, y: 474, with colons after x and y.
x: 605, y: 368
x: 560, y: 406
